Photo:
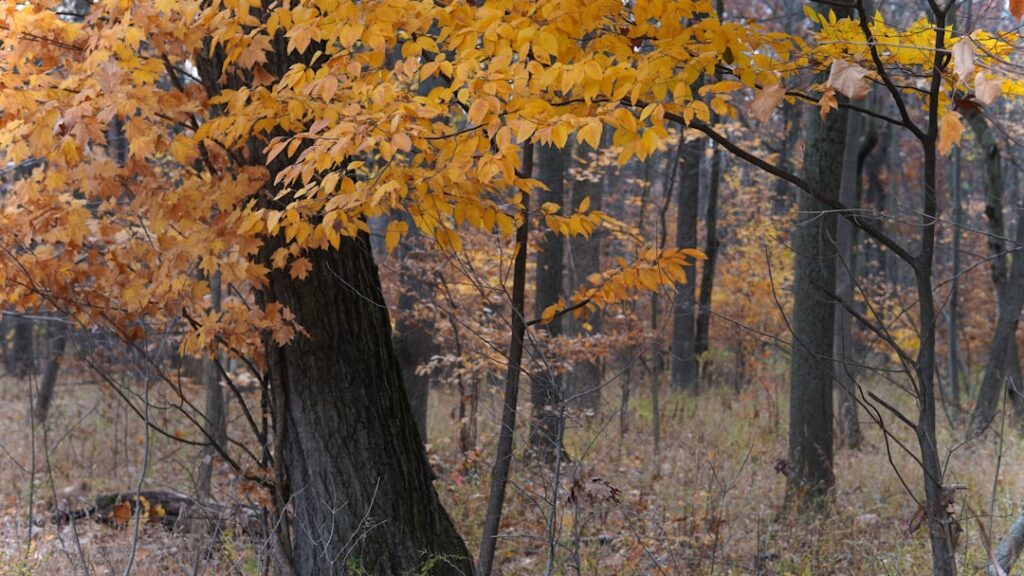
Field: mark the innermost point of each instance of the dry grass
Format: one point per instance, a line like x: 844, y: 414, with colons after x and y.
x: 710, y: 503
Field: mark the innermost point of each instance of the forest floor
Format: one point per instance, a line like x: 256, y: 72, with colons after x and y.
x: 711, y: 502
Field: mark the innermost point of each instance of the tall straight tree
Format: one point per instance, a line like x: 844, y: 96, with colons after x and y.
x: 584, y: 382
x: 684, y: 320
x: 546, y: 387
x: 814, y: 277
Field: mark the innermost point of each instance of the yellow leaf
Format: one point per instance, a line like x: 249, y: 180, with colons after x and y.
x: 550, y: 312
x: 584, y: 205
x: 477, y: 111
x: 950, y: 131
x: 396, y: 229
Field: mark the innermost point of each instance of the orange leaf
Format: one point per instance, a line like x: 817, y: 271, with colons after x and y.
x: 300, y: 268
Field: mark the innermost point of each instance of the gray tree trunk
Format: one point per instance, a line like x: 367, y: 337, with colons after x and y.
x: 811, y: 478
x: 846, y: 273
x: 1003, y: 366
x: 711, y: 244
x: 584, y: 382
x: 684, y: 320
x: 44, y: 398
x: 545, y: 388
x: 215, y: 408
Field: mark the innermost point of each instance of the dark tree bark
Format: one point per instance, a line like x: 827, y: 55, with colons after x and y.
x: 846, y: 273
x: 584, y: 382
x: 358, y: 477
x: 22, y: 359
x: 810, y: 395
x: 414, y: 344
x: 1003, y: 366
x: 711, y: 244
x: 684, y: 324
x: 545, y: 388
x: 44, y: 398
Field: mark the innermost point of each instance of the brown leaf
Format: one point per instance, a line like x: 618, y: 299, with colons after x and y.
x: 986, y: 90
x: 121, y: 513
x: 766, y: 101
x: 963, y: 58
x: 848, y: 79
x: 1017, y: 9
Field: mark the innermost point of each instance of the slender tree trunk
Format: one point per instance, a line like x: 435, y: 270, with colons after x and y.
x: 811, y: 478
x: 358, y: 477
x: 1003, y: 366
x: 503, y: 454
x: 711, y: 245
x: 954, y: 295
x: 44, y: 399
x: 684, y: 324
x: 846, y: 273
x: 545, y: 388
x: 216, y: 407
x: 22, y: 359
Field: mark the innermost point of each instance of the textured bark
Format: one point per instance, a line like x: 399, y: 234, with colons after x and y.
x: 810, y: 412
x: 954, y: 291
x: 545, y: 388
x: 584, y: 382
x: 1003, y: 366
x: 349, y: 461
x: 358, y: 476
x: 684, y: 321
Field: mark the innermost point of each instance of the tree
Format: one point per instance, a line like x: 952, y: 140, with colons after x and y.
x: 684, y: 319
x: 546, y: 386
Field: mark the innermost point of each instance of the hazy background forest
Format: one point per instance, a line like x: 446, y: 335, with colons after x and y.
x: 403, y: 287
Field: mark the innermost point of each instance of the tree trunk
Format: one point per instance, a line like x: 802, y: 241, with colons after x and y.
x: 711, y: 243
x: 684, y: 325
x: 22, y: 361
x: 954, y: 291
x: 584, y: 382
x: 846, y: 273
x: 810, y: 411
x: 358, y: 477
x: 215, y: 409
x: 545, y: 388
x: 44, y: 398
x: 1003, y: 354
